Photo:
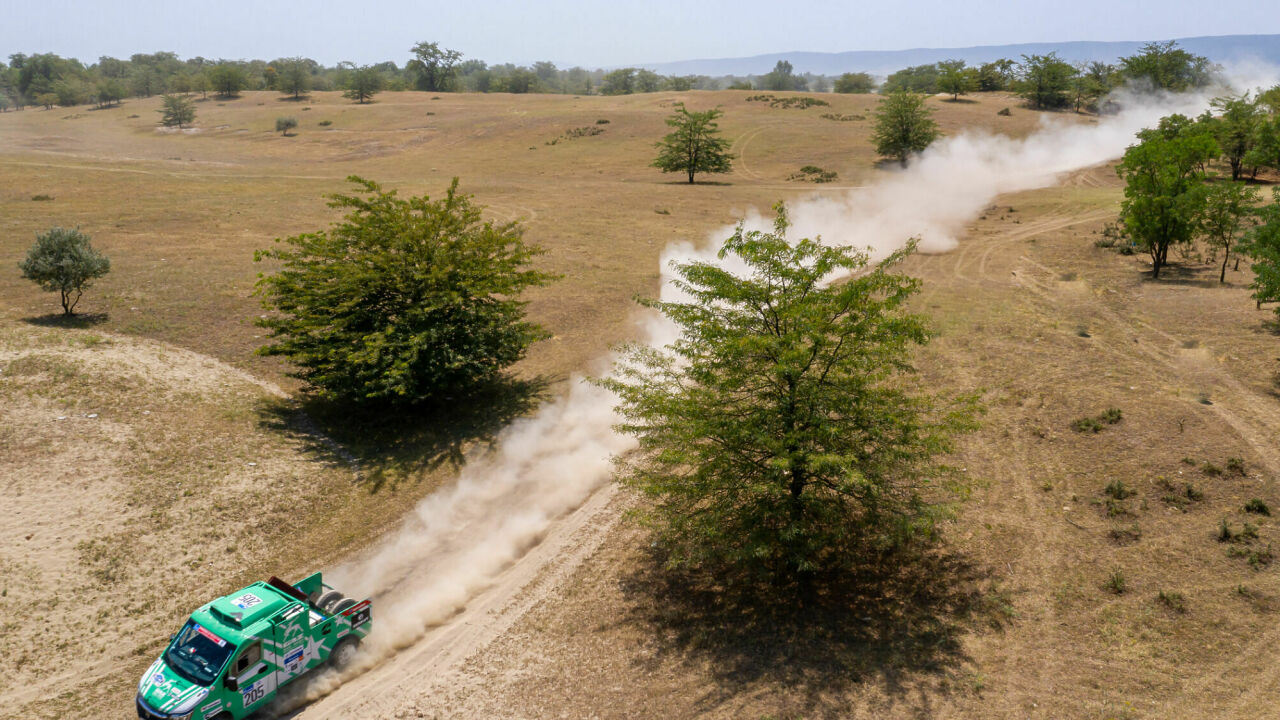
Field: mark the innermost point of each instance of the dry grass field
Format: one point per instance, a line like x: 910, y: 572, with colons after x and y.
x: 149, y: 459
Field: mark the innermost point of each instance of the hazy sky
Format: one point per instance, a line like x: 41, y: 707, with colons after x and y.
x: 596, y: 34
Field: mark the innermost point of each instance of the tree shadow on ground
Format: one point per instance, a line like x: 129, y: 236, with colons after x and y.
x: 387, y: 446
x: 80, y: 321
x: 896, y: 626
x: 1191, y: 275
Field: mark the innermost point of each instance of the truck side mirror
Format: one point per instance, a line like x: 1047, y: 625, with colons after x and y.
x: 232, y: 684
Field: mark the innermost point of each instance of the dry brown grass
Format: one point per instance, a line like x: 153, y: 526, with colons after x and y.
x: 181, y: 214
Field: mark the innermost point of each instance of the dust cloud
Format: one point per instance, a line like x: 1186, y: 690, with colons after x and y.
x: 461, y: 538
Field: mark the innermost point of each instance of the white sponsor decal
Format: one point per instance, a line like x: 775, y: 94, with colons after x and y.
x: 246, y: 601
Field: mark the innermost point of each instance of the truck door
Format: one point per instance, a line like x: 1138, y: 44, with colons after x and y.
x: 293, y: 645
x: 255, y: 678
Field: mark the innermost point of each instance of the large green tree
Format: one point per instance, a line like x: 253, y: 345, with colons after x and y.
x: 1165, y: 66
x: 1164, y: 190
x: 781, y: 435
x: 1045, y: 81
x: 1262, y: 245
x: 955, y: 79
x: 293, y: 76
x: 1236, y: 128
x: 1227, y: 209
x: 362, y: 83
x: 854, y: 83
x: 64, y: 261
x: 403, y: 300
x: 782, y: 77
x: 695, y: 145
x: 904, y: 126
x: 227, y: 79
x: 434, y: 68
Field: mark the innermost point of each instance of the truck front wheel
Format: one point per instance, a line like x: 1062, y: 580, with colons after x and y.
x: 344, y: 653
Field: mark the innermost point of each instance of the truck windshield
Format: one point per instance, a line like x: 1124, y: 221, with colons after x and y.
x: 198, y: 654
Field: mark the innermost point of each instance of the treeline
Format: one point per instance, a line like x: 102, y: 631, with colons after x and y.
x: 1049, y: 82
x: 1046, y: 81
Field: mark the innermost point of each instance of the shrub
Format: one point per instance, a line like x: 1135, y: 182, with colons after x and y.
x: 1095, y: 424
x: 1116, y: 582
x: 65, y: 261
x: 813, y: 173
x: 1210, y: 469
x: 1126, y: 535
x: 1172, y: 600
x: 602, y: 121
x: 1006, y: 112
x: 41, y: 198
x: 1258, y: 507
x: 1118, y: 490
x: 1236, y: 465
x: 325, y: 123
x: 285, y: 124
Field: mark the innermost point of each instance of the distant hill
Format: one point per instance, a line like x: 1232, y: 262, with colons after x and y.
x: 1222, y: 49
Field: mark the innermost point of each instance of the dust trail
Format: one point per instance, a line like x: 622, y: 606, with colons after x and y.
x: 460, y: 539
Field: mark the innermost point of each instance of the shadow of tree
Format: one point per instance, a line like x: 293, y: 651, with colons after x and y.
x: 59, y: 320
x: 390, y: 445
x: 1191, y: 275
x: 897, y: 625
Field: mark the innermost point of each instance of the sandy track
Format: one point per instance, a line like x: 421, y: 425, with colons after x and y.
x: 409, y: 677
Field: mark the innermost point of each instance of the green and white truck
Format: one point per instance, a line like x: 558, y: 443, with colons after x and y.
x: 234, y: 653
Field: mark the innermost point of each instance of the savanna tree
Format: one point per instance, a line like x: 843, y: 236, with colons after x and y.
x: 64, y: 261
x: 695, y: 145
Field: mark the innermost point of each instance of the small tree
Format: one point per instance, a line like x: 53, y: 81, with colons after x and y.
x: 956, y: 79
x: 1164, y: 190
x: 1227, y: 207
x: 780, y: 435
x: 64, y: 261
x: 1236, y: 129
x: 285, y: 124
x: 403, y: 300
x: 854, y: 83
x: 1262, y: 245
x: 227, y: 79
x: 362, y: 84
x: 904, y: 126
x: 782, y: 77
x: 293, y: 77
x: 695, y: 146
x: 176, y: 111
x: 434, y: 67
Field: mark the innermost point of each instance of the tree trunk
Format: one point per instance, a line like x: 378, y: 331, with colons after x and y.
x: 1222, y: 278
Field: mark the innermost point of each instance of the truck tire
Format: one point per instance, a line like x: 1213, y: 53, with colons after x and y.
x: 343, y: 605
x: 328, y: 600
x: 344, y: 653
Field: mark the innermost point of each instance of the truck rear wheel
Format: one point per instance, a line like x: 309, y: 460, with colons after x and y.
x: 343, y: 605
x: 328, y: 600
x: 344, y: 653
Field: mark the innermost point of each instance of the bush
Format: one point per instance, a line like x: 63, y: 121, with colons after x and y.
x: 1210, y: 469
x: 1111, y: 416
x: 1005, y: 112
x: 1236, y: 465
x: 325, y: 123
x: 41, y: 198
x: 403, y: 300
x: 602, y: 121
x: 1172, y: 600
x: 285, y: 124
x: 1118, y: 490
x: 1116, y: 582
x: 65, y: 261
x: 1257, y: 507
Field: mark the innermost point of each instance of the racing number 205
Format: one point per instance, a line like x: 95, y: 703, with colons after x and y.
x: 253, y: 694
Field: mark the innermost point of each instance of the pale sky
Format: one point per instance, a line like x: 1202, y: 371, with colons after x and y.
x: 596, y: 34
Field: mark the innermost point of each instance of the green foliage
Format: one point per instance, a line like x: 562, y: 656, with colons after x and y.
x: 997, y: 75
x: 956, y: 79
x: 782, y: 78
x: 1175, y: 601
x: 854, y: 83
x: 695, y: 146
x: 1117, y: 490
x: 780, y: 434
x: 904, y: 126
x: 1116, y: 582
x: 362, y: 83
x: 1262, y: 245
x: 109, y: 92
x: 64, y: 261
x: 921, y: 79
x: 176, y: 111
x: 285, y: 124
x: 1045, y: 81
x: 227, y: 79
x: 293, y: 77
x: 1165, y: 66
x: 619, y: 82
x: 1227, y: 207
x: 1095, y: 424
x: 789, y: 103
x: 813, y: 173
x: 1164, y: 190
x: 403, y: 300
x: 1236, y: 129
x: 1257, y: 507
x: 434, y: 68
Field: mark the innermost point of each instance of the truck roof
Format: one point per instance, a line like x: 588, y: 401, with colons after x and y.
x: 238, y: 612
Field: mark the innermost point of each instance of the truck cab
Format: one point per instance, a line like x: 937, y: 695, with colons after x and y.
x: 235, y: 652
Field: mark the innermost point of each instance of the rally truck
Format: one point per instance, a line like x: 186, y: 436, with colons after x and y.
x: 234, y: 653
